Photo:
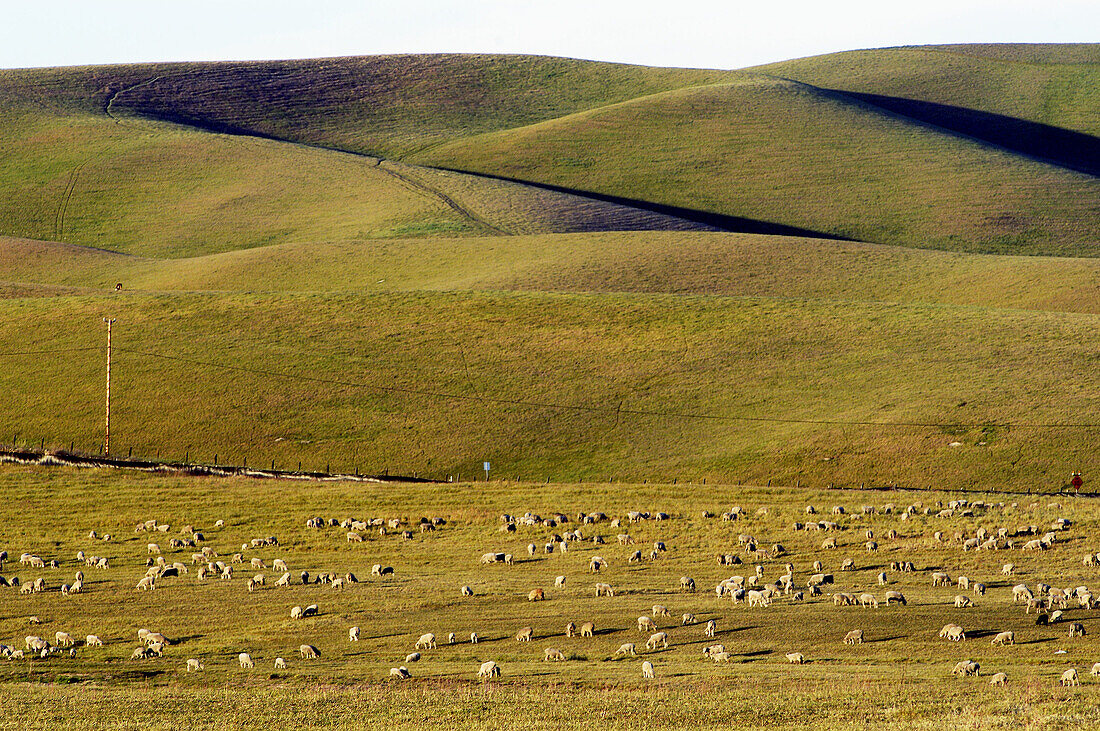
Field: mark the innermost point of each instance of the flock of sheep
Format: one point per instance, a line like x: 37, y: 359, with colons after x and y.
x: 878, y: 529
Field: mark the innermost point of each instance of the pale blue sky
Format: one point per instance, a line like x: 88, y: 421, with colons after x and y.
x: 702, y: 33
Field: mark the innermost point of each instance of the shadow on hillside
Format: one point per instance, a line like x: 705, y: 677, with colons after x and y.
x: 718, y: 221
x: 1065, y: 148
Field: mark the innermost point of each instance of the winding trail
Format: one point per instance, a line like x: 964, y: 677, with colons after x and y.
x: 63, y: 205
x: 389, y: 167
x: 114, y: 97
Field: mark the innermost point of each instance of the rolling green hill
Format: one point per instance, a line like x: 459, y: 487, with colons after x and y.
x: 793, y: 154
x: 599, y: 299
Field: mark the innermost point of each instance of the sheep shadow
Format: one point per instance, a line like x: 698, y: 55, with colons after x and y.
x: 753, y: 653
x: 887, y: 639
x: 980, y: 633
x: 1039, y: 641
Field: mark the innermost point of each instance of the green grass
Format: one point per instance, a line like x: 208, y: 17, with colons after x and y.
x: 560, y: 355
x: 791, y: 154
x: 899, y: 676
x: 1050, y: 84
x: 744, y: 144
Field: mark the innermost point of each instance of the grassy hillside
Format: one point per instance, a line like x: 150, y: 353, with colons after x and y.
x: 686, y: 263
x: 788, y: 153
x: 1042, y: 101
x: 898, y: 676
x: 928, y: 147
x: 562, y: 385
x: 378, y: 105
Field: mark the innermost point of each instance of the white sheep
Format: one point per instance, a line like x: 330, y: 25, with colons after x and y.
x: 658, y: 638
x: 308, y: 652
x: 1070, y: 677
x: 193, y: 665
x: 647, y: 670
x: 795, y: 658
x: 473, y: 638
x: 280, y: 663
x: 553, y: 653
x: 427, y: 640
x: 93, y: 641
x: 645, y: 624
x: 998, y: 679
x: 401, y: 672
x: 296, y: 612
x: 246, y: 661
x: 466, y: 591
x: 412, y: 657
x: 525, y: 634
x: 711, y: 628
x: 854, y: 637
x: 353, y: 634
x: 627, y: 648
x: 1004, y: 638
x: 488, y: 670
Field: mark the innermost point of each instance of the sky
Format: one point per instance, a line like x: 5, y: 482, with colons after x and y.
x: 693, y: 33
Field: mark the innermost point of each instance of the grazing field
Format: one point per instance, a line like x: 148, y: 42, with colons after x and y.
x: 900, y: 674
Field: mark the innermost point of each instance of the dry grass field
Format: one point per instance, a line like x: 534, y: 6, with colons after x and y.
x: 899, y: 676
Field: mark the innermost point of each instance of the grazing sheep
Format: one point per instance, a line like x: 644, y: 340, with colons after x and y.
x: 1008, y: 569
x: 63, y: 639
x: 193, y: 665
x: 473, y: 638
x: 1076, y: 630
x: 308, y: 652
x: 628, y: 649
x: 466, y: 591
x: 998, y: 679
x: 139, y: 653
x: 895, y: 596
x: 965, y: 668
x: 93, y: 641
x: 597, y: 564
x: 553, y: 653
x: 354, y: 537
x: 295, y: 612
x: 645, y: 624
x: 687, y: 619
x: 854, y: 637
x: 153, y: 548
x: 535, y: 595
x: 401, y: 673
x: 280, y: 663
x: 1004, y: 638
x: 955, y: 633
x: 310, y: 611
x: 246, y: 661
x: 718, y: 657
x: 687, y: 584
x: 647, y: 670
x: 279, y: 565
x: 588, y: 629
x: 710, y: 629
x: 1095, y: 669
x: 661, y: 611
x: 427, y: 640
x: 868, y: 600
x: 353, y: 634
x: 559, y: 582
x: 525, y: 634
x: 655, y: 639
x: 284, y: 580
x: 795, y: 658
x: 570, y: 630
x: 940, y: 579
x: 962, y: 601
x: 1070, y: 677
x: 604, y: 590
x: 488, y: 670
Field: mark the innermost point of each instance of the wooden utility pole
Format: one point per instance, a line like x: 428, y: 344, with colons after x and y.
x: 107, y: 431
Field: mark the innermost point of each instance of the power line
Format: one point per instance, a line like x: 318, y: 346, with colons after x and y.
x: 443, y: 395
